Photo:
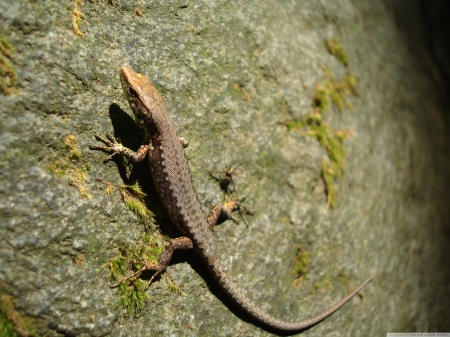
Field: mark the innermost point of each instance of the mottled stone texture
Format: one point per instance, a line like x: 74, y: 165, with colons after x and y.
x: 231, y: 73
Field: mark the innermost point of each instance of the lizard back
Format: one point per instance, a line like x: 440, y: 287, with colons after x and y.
x: 173, y: 180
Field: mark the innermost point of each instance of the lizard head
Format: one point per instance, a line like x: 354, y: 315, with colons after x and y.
x: 141, y: 93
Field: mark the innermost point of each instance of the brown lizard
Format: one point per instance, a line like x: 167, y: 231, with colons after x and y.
x: 173, y: 181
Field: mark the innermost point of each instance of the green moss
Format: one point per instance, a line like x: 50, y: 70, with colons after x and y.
x: 77, y: 17
x: 137, y: 207
x: 118, y: 267
x: 70, y: 166
x: 333, y: 143
x: 147, y: 238
x: 12, y: 323
x: 300, y: 269
x: 295, y: 125
x: 58, y: 167
x: 71, y: 144
x: 134, y: 200
x: 328, y: 93
x: 126, y: 269
x: 322, y: 97
x: 132, y: 297
x: 7, y: 73
x: 6, y: 326
x: 339, y: 90
x: 336, y: 49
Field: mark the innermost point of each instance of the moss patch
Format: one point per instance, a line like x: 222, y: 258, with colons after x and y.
x: 7, y: 72
x: 71, y: 166
x: 77, y: 15
x: 328, y: 93
x: 133, y: 197
x: 336, y: 49
x: 12, y: 323
x: 128, y: 267
x: 300, y: 269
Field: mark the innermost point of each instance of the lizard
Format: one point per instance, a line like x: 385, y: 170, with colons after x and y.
x: 172, y: 178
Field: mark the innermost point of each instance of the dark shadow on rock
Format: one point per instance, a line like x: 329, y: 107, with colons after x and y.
x: 125, y: 128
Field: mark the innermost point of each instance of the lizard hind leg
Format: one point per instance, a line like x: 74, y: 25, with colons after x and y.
x: 164, y: 260
x: 160, y: 266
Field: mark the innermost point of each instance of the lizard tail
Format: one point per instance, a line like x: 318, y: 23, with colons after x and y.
x: 253, y: 310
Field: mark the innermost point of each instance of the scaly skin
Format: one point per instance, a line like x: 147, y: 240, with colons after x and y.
x: 173, y: 181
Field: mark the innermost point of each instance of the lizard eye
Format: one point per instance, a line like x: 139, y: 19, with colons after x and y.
x: 132, y: 92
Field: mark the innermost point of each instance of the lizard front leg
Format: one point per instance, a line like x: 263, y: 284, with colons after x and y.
x: 174, y: 244
x: 114, y: 147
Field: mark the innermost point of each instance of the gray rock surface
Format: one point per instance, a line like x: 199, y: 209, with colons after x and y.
x: 231, y: 73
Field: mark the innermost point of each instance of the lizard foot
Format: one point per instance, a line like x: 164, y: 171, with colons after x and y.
x: 112, y: 146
